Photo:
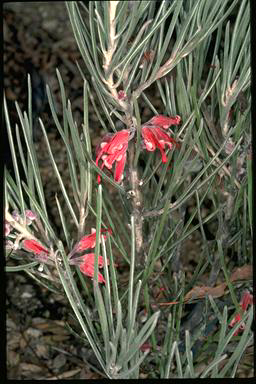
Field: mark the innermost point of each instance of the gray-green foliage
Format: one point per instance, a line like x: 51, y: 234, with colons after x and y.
x: 201, y: 69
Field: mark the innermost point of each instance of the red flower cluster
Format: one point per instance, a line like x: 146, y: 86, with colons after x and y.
x: 247, y: 299
x: 154, y: 135
x: 86, y: 262
x: 114, y: 146
x: 113, y: 149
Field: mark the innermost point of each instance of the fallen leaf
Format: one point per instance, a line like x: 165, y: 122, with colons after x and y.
x: 67, y: 374
x: 42, y: 351
x: 201, y: 292
x: 242, y: 273
x: 60, y: 337
x: 30, y: 367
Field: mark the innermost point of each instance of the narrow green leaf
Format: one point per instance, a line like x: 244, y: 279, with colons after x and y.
x: 22, y: 267
x: 63, y: 189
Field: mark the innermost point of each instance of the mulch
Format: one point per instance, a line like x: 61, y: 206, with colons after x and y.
x: 38, y: 39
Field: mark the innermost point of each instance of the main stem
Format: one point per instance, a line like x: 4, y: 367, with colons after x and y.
x: 137, y: 205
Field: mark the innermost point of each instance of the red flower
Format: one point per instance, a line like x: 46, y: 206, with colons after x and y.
x: 34, y: 247
x: 164, y: 121
x: 87, y: 266
x: 154, y: 137
x: 113, y: 149
x: 245, y: 301
x: 88, y: 241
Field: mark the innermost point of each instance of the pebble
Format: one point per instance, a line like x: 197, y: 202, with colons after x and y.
x: 33, y: 332
x: 26, y: 295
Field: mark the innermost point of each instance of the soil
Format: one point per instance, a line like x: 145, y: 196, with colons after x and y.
x: 37, y: 39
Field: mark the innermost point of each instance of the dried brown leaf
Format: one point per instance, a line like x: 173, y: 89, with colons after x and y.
x: 242, y: 273
x: 201, y: 292
x: 30, y: 367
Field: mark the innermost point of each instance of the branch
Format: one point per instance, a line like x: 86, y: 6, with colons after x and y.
x: 112, y: 43
x: 137, y: 204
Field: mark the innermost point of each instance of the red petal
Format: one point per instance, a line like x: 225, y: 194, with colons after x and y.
x: 120, y: 168
x: 108, y: 162
x: 149, y: 138
x: 34, y: 246
x: 106, y: 139
x: 151, y: 135
x: 89, y: 241
x: 155, y: 137
x: 88, y: 270
x: 89, y: 258
x: 86, y: 242
x: 101, y: 278
x: 120, y: 138
x: 161, y: 135
x: 165, y: 121
x: 235, y: 320
x: 116, y: 146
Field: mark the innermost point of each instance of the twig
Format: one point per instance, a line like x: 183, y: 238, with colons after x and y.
x: 82, y: 216
x: 110, y: 51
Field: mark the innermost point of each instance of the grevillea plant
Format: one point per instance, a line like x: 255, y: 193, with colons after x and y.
x: 188, y: 64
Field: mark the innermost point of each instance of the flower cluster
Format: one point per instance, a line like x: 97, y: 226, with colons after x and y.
x: 154, y: 135
x: 86, y: 261
x: 246, y: 300
x: 113, y: 150
x: 113, y: 147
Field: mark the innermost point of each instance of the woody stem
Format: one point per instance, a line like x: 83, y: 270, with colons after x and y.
x: 137, y: 206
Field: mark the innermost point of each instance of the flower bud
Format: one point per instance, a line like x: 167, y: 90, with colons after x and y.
x: 30, y: 215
